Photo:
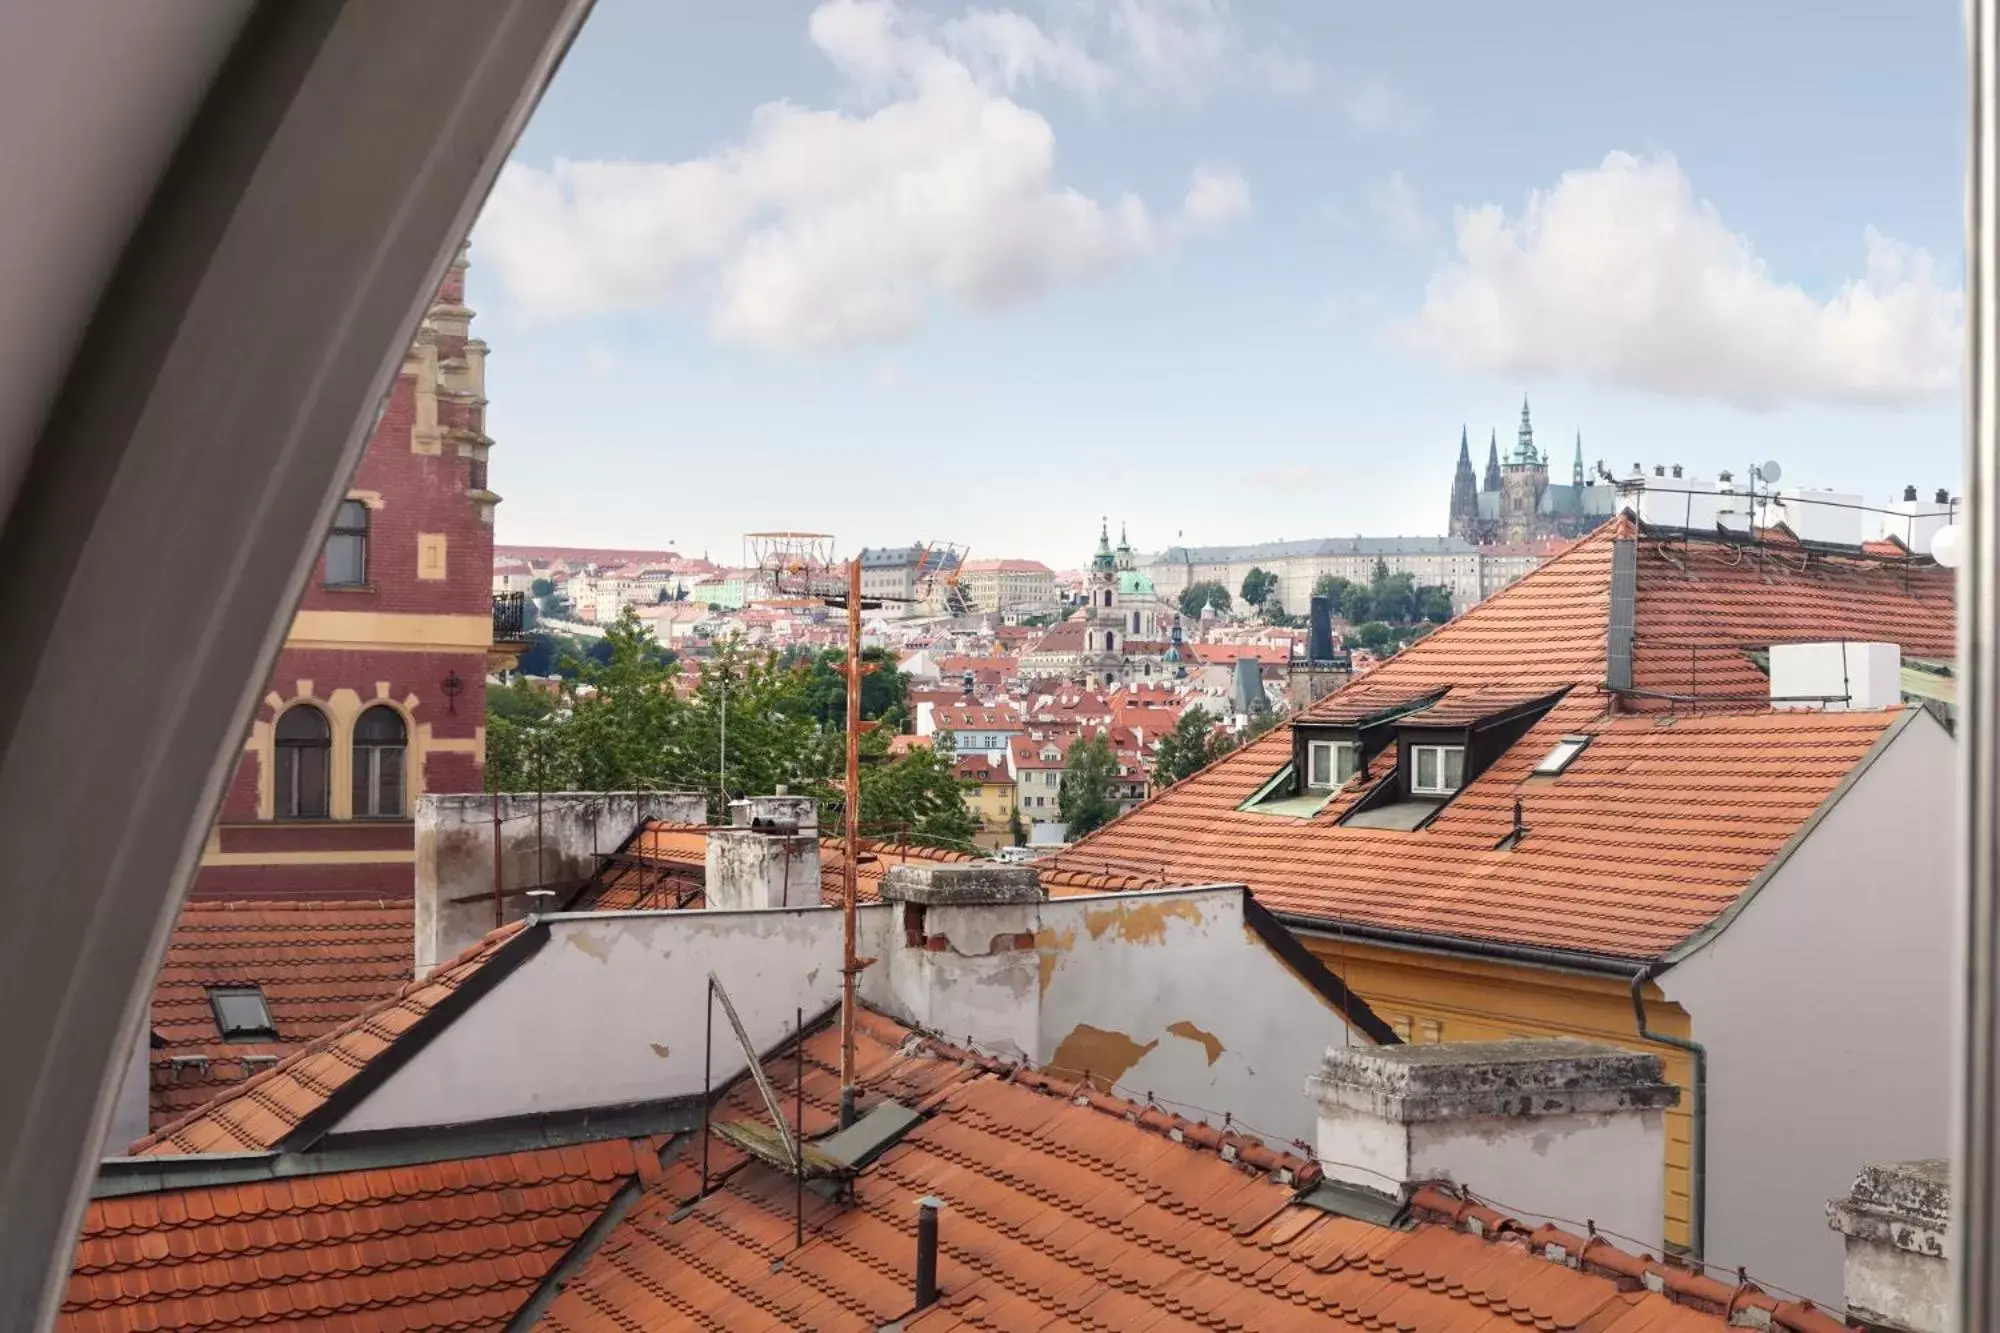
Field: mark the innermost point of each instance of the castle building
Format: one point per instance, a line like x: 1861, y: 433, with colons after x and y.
x: 1517, y: 503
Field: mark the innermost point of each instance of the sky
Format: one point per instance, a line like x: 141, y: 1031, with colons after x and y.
x: 904, y: 271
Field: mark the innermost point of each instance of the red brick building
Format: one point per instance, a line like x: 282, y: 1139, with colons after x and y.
x: 379, y: 693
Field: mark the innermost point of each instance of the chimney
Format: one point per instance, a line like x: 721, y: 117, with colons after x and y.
x: 927, y: 1251
x: 1677, y: 470
x: 1561, y: 1128
x: 1319, y: 640
x: 1895, y: 1221
x: 1942, y: 497
x: 1909, y: 493
x: 1836, y: 677
x: 766, y: 856
x: 962, y: 955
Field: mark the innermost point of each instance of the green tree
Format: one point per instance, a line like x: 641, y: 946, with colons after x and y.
x: 542, y: 588
x: 552, y: 605
x: 884, y: 689
x: 1258, y: 585
x: 1375, y: 636
x: 1016, y: 830
x: 1086, y: 801
x: 1357, y: 604
x: 1333, y: 587
x: 1189, y: 747
x: 918, y: 793
x: 1208, y: 593
x: 1434, y: 605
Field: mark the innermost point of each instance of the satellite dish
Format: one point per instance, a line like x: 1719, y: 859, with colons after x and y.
x: 1771, y: 472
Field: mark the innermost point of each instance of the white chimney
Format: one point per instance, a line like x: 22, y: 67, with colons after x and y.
x: 1895, y: 1221
x: 1680, y: 502
x: 1559, y: 1128
x: 1836, y: 677
x: 1915, y: 522
x: 766, y: 856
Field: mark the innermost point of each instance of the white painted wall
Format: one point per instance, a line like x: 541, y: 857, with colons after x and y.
x: 1133, y: 967
x: 1584, y: 1168
x: 612, y: 1010
x: 1825, y: 1007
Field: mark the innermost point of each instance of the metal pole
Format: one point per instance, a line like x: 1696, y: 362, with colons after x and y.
x: 849, y: 862
x: 1975, y: 1226
x: 707, y: 1067
x: 499, y: 911
x: 722, y: 750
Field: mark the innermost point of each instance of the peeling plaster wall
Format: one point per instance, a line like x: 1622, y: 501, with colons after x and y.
x: 1825, y: 1007
x: 612, y: 1010
x: 1595, y: 1167
x: 1887, y: 1285
x: 1166, y: 992
x: 455, y: 853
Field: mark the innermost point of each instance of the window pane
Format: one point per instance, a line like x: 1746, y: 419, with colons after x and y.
x: 1454, y: 769
x: 1427, y: 768
x: 302, y: 723
x: 240, y: 1013
x: 345, y: 558
x: 379, y: 726
x: 352, y: 515
x: 312, y: 781
x: 1345, y: 757
x: 283, y: 777
x: 1319, y: 764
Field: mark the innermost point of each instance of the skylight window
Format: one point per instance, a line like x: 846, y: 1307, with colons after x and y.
x: 1436, y: 770
x: 1558, y: 759
x: 1330, y: 764
x: 241, y: 1014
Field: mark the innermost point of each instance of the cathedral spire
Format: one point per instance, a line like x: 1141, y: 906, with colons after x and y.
x: 1524, y: 449
x: 1492, y: 482
x: 1576, y: 469
x: 1464, y: 493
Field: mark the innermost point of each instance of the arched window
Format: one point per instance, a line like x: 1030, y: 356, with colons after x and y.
x: 304, y: 746
x: 378, y: 764
x: 347, y: 546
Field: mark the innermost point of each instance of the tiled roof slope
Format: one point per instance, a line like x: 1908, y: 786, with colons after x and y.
x: 257, y: 1114
x: 318, y: 963
x: 1650, y: 833
x: 1086, y: 1211
x: 1639, y: 843
x: 438, y: 1245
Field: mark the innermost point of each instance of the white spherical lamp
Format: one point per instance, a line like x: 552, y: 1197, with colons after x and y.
x: 1948, y: 545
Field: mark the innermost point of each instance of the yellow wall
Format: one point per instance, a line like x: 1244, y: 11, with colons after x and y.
x: 991, y: 803
x: 1438, y: 997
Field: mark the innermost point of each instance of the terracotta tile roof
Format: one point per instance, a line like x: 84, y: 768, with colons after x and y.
x: 257, y: 1114
x: 978, y: 768
x: 1635, y: 847
x: 1066, y: 1207
x: 1368, y: 699
x: 318, y: 963
x: 440, y: 1245
x: 1464, y: 705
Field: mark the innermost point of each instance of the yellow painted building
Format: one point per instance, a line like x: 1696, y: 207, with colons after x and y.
x: 989, y: 793
x: 1432, y: 997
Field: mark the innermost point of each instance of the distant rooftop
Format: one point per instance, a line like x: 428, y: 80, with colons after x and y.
x: 1322, y: 546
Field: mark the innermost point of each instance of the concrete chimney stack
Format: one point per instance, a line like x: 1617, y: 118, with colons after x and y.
x: 1897, y: 1271
x: 1564, y: 1128
x: 766, y: 856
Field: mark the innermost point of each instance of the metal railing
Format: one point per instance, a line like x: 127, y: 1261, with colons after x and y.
x: 510, y: 615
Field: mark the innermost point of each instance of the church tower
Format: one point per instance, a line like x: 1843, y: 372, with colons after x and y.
x: 1492, y: 462
x: 1464, y: 495
x: 1103, y: 632
x: 1576, y: 468
x: 1522, y: 481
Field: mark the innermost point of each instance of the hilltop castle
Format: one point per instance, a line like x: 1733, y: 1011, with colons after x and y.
x: 1517, y: 502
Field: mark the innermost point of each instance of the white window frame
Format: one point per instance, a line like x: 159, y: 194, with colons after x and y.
x: 1439, y: 787
x: 1333, y: 781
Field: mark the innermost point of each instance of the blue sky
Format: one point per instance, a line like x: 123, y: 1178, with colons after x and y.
x: 1228, y: 272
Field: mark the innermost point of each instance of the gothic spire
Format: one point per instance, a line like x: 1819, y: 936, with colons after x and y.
x: 1464, y: 493
x: 1492, y: 462
x: 1524, y: 450
x: 1576, y: 468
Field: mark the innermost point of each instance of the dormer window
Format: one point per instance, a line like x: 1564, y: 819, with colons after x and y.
x: 1330, y: 764
x: 1436, y: 770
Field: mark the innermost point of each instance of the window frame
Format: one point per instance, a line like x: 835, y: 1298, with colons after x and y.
x: 367, y: 758
x: 1439, y: 786
x: 228, y: 1032
x: 285, y: 804
x: 343, y: 530
x: 1336, y: 747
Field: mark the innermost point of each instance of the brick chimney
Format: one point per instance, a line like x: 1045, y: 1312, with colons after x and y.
x: 766, y: 856
x: 1895, y: 1219
x: 1564, y: 1129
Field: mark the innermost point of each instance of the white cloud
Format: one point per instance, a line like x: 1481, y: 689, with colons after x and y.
x: 1621, y: 275
x: 1395, y: 205
x: 1215, y: 199
x: 825, y: 229
x: 1006, y: 48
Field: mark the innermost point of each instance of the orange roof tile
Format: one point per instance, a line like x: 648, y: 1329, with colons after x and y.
x: 437, y: 1245
x: 318, y: 963
x: 1073, y: 1208
x: 1618, y: 863
x: 257, y: 1115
